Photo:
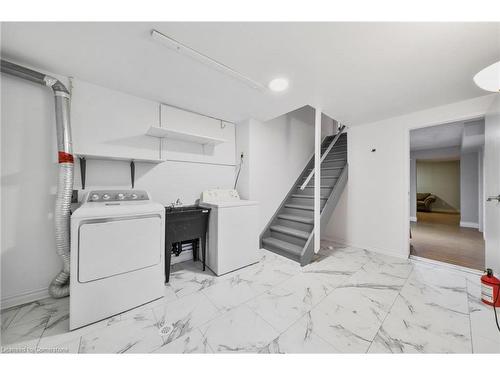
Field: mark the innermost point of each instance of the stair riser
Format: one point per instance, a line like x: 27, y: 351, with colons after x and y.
x: 326, y: 174
x: 310, y: 190
x: 341, y: 147
x: 287, y: 238
x: 278, y: 251
x: 335, y: 157
x: 294, y: 224
x: 332, y: 163
x: 305, y: 201
x: 327, y: 183
x: 331, y: 173
x: 294, y: 211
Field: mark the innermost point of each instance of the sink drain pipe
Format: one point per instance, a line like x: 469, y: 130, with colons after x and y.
x: 59, y: 287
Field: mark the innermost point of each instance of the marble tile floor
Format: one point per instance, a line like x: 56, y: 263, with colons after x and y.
x: 348, y: 300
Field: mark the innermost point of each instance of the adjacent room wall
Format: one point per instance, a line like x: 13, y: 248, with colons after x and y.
x: 441, y: 178
x: 374, y: 208
x: 29, y: 175
x: 469, y: 187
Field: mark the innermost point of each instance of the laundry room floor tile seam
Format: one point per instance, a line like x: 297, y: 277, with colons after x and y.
x: 296, y: 321
x: 349, y: 282
x: 386, y: 315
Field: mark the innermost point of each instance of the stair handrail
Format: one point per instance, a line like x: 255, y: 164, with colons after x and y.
x: 325, y: 154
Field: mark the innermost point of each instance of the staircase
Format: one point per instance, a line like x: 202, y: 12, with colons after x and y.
x: 290, y: 230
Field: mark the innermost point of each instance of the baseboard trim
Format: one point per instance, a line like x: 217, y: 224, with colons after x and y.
x: 469, y: 224
x: 417, y: 259
x: 368, y: 248
x: 413, y: 218
x: 21, y: 299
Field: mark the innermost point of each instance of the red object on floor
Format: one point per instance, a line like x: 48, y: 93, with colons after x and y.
x: 490, y: 286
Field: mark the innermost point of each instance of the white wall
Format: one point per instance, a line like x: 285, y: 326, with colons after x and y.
x: 29, y: 174
x: 276, y: 153
x: 374, y: 209
x: 469, y: 190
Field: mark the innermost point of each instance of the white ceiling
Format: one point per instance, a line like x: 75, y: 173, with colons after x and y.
x: 357, y: 72
x: 464, y: 135
x: 440, y: 136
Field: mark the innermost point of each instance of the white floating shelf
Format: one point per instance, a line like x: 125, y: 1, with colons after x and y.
x: 157, y: 132
x: 119, y: 158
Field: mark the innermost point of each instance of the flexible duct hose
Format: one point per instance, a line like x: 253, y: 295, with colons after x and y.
x: 59, y: 287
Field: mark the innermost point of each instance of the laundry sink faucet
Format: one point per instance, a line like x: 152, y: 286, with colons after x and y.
x: 177, y: 203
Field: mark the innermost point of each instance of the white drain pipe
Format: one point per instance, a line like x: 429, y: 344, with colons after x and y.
x: 59, y: 287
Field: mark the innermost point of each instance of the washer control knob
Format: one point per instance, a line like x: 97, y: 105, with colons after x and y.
x: 106, y: 197
x: 120, y: 196
x: 133, y: 196
x: 94, y: 197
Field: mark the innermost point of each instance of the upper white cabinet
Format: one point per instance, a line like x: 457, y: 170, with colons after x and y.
x: 196, y: 138
x: 111, y: 124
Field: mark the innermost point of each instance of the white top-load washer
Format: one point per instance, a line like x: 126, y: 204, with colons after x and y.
x: 233, y: 233
x: 117, y: 254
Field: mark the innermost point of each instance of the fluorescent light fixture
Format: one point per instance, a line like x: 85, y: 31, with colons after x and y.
x: 204, y: 59
x: 278, y: 84
x: 489, y: 78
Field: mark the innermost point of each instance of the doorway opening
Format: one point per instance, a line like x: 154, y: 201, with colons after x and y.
x: 446, y: 193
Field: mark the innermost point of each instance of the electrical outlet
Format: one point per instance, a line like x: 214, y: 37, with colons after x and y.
x: 74, y: 196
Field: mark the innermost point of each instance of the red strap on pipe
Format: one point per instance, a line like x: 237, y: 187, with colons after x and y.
x: 65, y: 157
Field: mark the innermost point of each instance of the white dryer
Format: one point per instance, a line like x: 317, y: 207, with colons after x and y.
x: 117, y: 254
x: 233, y: 230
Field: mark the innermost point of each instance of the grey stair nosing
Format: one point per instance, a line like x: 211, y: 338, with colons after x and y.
x: 327, y: 168
x: 329, y: 177
x: 290, y: 231
x: 307, y: 196
x: 321, y: 186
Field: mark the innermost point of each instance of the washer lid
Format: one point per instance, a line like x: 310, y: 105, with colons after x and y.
x: 97, y: 209
x: 238, y: 203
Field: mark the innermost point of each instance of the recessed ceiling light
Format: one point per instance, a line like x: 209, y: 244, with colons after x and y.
x: 278, y: 84
x: 489, y: 78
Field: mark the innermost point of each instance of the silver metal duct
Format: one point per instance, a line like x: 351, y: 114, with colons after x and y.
x: 59, y: 287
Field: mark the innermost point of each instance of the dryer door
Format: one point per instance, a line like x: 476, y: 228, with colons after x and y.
x: 110, y: 247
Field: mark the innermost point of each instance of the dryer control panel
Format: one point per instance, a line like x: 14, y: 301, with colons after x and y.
x: 105, y: 196
x: 220, y: 195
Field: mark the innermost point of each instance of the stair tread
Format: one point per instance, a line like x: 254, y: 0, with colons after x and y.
x: 290, y: 231
x: 321, y: 186
x: 300, y: 219
x: 329, y: 177
x: 327, y: 168
x: 308, y: 196
x: 300, y: 207
x: 283, y: 245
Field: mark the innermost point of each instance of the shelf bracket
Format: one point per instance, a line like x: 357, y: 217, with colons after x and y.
x: 83, y: 171
x: 132, y: 173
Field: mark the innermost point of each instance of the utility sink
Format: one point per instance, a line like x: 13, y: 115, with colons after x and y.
x: 182, y: 209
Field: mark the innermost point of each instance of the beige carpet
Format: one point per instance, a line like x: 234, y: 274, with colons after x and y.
x: 438, y: 236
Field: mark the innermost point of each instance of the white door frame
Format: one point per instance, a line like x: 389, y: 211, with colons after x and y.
x: 476, y: 115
